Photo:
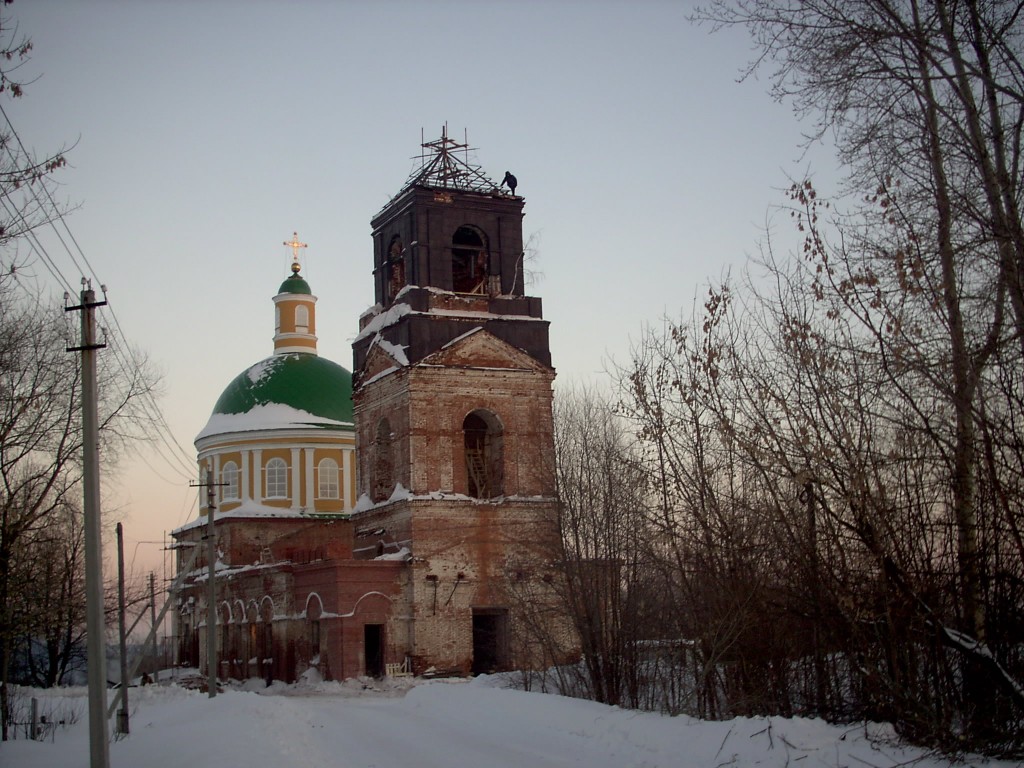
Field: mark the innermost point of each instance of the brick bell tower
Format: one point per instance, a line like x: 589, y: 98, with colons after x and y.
x: 452, y: 401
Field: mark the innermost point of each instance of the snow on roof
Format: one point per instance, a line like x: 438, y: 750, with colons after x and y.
x: 457, y: 339
x: 399, y: 493
x: 395, y: 350
x: 402, y: 554
x: 371, y: 311
x: 398, y: 310
x: 484, y: 315
x: 381, y: 375
x: 258, y: 371
x: 364, y: 503
x: 384, y: 320
x: 268, y: 416
x: 202, y: 572
x: 247, y: 509
x: 409, y: 288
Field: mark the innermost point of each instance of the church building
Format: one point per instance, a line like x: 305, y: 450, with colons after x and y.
x: 401, y: 518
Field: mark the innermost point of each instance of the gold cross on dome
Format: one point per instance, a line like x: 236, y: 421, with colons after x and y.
x: 295, y: 245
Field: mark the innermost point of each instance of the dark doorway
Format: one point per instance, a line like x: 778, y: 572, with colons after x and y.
x: 490, y: 640
x: 373, y: 649
x: 193, y: 650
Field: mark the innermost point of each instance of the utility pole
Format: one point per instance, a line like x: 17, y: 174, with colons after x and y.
x: 211, y: 586
x: 99, y: 748
x: 122, y: 713
x: 211, y: 590
x: 152, y: 621
x: 175, y: 586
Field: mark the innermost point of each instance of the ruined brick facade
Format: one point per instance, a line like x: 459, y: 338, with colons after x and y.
x: 455, y: 471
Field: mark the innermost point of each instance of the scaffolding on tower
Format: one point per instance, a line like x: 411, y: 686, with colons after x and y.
x: 444, y: 164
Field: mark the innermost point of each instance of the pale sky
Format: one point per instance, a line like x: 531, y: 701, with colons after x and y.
x: 205, y: 133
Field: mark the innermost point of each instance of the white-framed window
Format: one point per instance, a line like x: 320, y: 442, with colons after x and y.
x: 229, y: 480
x: 327, y: 476
x: 302, y: 318
x: 277, y: 479
x: 277, y: 318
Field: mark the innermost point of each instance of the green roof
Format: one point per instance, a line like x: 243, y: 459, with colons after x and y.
x: 301, y: 380
x: 295, y: 284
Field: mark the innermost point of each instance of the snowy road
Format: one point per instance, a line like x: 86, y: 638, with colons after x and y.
x: 465, y: 724
x: 443, y: 725
x: 437, y: 725
x: 387, y: 734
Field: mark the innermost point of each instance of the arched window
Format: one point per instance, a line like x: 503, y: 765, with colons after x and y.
x: 277, y: 479
x: 383, y: 464
x: 482, y: 440
x: 314, y: 610
x: 302, y: 319
x: 327, y: 479
x: 229, y: 481
x: 277, y: 319
x: 469, y: 261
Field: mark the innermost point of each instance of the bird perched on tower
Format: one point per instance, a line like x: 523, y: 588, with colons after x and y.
x: 511, y: 181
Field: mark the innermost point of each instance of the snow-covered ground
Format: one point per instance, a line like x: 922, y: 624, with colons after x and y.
x: 443, y: 724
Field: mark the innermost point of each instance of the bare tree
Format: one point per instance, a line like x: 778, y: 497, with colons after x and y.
x: 40, y: 442
x: 40, y: 415
x: 805, y: 507
x: 606, y: 578
x: 48, y: 570
x: 925, y: 99
x: 41, y: 453
x: 927, y: 96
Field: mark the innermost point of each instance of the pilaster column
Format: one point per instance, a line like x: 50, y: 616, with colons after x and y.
x: 310, y: 483
x: 257, y: 474
x: 247, y: 491
x: 347, y: 480
x: 296, y: 472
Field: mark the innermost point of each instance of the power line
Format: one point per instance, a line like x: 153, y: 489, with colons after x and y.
x: 179, y: 460
x: 53, y: 205
x: 185, y: 462
x: 154, y: 411
x: 155, y: 471
x: 36, y: 246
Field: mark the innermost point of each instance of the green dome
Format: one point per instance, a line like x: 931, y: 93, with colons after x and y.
x: 295, y: 284
x: 297, y: 389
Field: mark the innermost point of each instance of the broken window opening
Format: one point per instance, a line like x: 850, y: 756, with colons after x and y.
x: 395, y: 267
x: 483, y: 446
x: 470, y: 261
